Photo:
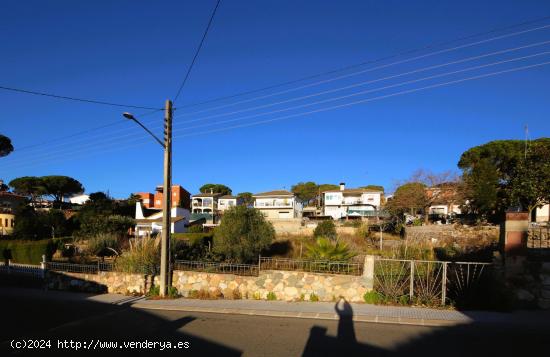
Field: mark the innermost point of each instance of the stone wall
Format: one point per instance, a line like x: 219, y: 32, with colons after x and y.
x: 286, y: 285
x: 111, y: 282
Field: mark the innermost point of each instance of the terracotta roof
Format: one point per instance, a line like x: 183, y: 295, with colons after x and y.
x: 228, y: 197
x: 273, y: 193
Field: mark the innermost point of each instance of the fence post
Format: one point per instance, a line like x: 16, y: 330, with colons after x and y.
x: 9, y: 265
x: 368, y: 272
x: 444, y: 284
x: 411, y: 283
x: 259, y: 263
x: 43, y: 264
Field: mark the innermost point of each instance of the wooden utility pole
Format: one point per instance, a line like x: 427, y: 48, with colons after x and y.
x: 166, y: 206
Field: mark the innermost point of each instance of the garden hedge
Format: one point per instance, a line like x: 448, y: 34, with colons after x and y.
x: 27, y: 252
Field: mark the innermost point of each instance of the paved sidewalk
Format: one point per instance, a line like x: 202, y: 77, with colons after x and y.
x: 314, y: 310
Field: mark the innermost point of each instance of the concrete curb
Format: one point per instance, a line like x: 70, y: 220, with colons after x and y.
x: 305, y: 315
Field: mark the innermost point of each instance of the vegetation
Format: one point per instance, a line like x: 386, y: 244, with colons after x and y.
x: 245, y: 198
x: 242, y: 235
x: 104, y: 244
x: 506, y: 172
x: 172, y: 292
x: 6, y: 146
x: 143, y: 256
x: 313, y: 297
x: 215, y: 188
x: 325, y: 249
x: 305, y: 191
x: 27, y: 252
x: 325, y: 229
x: 271, y: 296
x: 373, y: 187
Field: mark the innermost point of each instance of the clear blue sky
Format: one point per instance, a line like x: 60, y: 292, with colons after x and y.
x: 137, y: 52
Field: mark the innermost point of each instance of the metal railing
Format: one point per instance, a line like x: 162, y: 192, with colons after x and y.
x: 73, y: 268
x: 312, y: 266
x: 427, y: 282
x: 22, y: 269
x: 214, y: 267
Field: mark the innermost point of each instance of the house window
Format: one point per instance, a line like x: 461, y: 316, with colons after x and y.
x: 6, y: 223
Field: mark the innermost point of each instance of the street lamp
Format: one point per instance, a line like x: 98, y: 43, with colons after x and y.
x: 167, y: 189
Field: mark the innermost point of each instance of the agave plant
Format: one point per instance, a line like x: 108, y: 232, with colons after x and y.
x: 325, y: 249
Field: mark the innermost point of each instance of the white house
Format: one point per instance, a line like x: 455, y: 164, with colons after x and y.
x: 278, y: 204
x: 355, y: 202
x: 226, y: 202
x: 149, y: 221
x: 205, y: 206
x: 541, y: 214
x: 78, y: 199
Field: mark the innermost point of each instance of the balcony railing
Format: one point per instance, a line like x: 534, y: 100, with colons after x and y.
x: 273, y: 205
x: 197, y: 216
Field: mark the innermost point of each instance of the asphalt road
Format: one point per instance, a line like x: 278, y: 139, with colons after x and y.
x: 33, y: 317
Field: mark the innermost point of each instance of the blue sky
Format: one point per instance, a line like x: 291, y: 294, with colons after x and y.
x: 137, y: 52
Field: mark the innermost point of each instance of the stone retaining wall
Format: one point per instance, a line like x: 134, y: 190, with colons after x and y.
x: 111, y: 282
x: 286, y: 285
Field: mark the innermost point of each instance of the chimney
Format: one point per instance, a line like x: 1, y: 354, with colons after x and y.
x: 342, y: 186
x: 211, y: 191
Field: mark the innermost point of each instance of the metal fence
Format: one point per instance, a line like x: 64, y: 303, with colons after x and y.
x: 22, y: 269
x: 214, y: 267
x: 428, y: 282
x: 312, y: 266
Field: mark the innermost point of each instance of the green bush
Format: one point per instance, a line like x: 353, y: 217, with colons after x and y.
x: 313, y: 297
x: 27, y: 252
x: 172, y: 292
x: 324, y: 249
x: 325, y: 229
x: 271, y: 296
x: 143, y: 256
x: 101, y: 245
x: 372, y: 297
x: 195, y: 229
x: 242, y: 235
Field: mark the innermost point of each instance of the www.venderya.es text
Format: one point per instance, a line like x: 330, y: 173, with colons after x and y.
x: 30, y: 344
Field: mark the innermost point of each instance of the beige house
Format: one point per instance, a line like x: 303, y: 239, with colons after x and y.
x: 8, y: 202
x: 279, y: 204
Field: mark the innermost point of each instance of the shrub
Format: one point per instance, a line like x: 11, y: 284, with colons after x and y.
x: 103, y: 244
x: 325, y: 229
x: 271, y: 296
x: 372, y: 297
x: 242, y: 234
x: 143, y: 256
x: 313, y: 297
x: 27, y: 252
x: 172, y: 292
x: 324, y: 249
x: 234, y: 294
x: 195, y: 229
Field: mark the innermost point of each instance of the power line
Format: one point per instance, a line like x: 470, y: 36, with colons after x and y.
x: 86, y: 131
x: 345, y: 68
x: 358, y: 84
x: 118, y: 147
x: 368, y: 100
x: 197, y: 51
x: 135, y: 135
x: 366, y: 91
x: 334, y: 71
x: 92, y: 101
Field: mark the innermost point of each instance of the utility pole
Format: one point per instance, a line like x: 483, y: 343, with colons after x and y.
x: 166, y: 207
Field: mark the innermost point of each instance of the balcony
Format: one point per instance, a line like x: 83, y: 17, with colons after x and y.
x: 272, y: 205
x: 197, y: 216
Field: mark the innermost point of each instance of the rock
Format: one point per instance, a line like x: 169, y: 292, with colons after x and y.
x: 524, y: 295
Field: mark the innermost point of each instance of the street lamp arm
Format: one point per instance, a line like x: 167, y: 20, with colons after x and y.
x: 149, y: 131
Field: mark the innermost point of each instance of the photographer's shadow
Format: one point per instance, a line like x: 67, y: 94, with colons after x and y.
x: 319, y: 344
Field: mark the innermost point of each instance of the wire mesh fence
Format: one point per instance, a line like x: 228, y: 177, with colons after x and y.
x: 215, y: 267
x: 312, y: 266
x: 429, y: 282
x: 538, y: 237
